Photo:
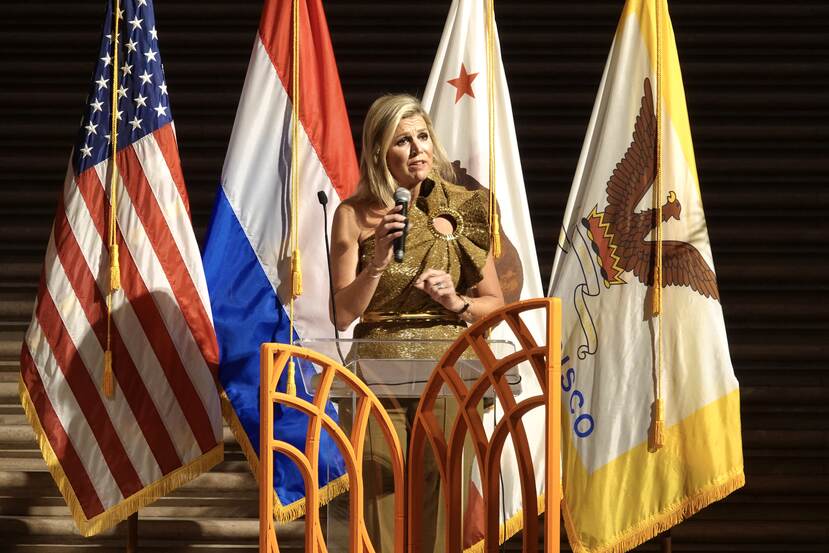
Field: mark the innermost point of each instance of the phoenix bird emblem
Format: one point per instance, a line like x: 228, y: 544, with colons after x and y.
x: 618, y: 234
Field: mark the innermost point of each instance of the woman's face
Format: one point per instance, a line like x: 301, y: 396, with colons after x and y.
x: 409, y: 158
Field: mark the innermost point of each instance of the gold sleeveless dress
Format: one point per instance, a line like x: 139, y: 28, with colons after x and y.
x: 405, y: 315
x: 398, y: 310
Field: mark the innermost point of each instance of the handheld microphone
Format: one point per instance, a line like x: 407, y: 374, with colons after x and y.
x: 402, y: 198
x: 323, y: 199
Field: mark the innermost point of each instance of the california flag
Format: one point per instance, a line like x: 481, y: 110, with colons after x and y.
x: 458, y: 97
x: 651, y: 407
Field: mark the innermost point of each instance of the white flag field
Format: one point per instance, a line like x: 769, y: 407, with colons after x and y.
x: 623, y: 363
x: 456, y: 99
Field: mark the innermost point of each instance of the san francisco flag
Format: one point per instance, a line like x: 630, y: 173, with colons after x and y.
x: 114, y: 451
x: 457, y: 97
x: 651, y: 407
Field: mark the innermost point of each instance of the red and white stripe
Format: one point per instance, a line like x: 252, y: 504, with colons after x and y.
x: 165, y: 413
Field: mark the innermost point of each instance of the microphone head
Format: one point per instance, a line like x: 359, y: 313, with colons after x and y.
x: 322, y: 197
x: 402, y: 195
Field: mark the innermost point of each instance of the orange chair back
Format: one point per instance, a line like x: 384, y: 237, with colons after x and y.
x: 274, y: 359
x: 545, y: 360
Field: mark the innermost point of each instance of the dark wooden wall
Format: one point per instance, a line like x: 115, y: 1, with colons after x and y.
x: 756, y: 77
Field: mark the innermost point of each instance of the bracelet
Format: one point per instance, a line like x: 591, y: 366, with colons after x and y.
x: 377, y: 271
x: 464, y: 314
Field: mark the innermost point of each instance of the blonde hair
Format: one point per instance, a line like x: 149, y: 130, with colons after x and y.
x: 376, y: 182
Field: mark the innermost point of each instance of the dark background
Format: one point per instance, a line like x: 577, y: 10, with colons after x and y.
x: 756, y: 76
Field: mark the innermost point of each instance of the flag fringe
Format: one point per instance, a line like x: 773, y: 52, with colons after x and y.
x: 281, y: 513
x: 655, y: 525
x: 131, y: 504
x: 512, y: 526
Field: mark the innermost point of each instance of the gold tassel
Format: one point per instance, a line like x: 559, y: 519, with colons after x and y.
x: 290, y: 388
x: 496, y: 235
x: 656, y: 303
x: 657, y: 432
x: 108, y: 384
x: 114, y: 268
x: 296, y: 274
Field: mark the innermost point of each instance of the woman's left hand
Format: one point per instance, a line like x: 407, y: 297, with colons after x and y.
x: 439, y: 286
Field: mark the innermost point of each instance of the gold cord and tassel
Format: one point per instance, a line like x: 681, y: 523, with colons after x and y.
x: 108, y: 384
x: 296, y: 264
x: 496, y: 234
x: 296, y: 274
x: 114, y: 265
x: 494, y: 222
x: 657, y: 433
x: 657, y: 430
x: 290, y: 386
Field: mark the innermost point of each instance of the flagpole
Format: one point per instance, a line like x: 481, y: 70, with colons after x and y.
x: 665, y: 542
x: 296, y: 266
x: 657, y: 433
x: 108, y: 384
x: 132, y: 533
x: 114, y: 266
x: 494, y: 221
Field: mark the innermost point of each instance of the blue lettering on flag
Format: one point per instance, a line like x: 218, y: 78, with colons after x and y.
x: 583, y: 424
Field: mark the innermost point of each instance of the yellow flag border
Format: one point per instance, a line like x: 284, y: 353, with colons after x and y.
x: 718, y: 421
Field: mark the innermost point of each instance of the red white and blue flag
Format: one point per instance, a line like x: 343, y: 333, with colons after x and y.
x: 162, y: 426
x: 247, y: 253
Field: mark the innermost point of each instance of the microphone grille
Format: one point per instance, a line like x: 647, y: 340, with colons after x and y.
x: 402, y: 195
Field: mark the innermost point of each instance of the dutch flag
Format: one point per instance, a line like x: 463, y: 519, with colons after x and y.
x: 247, y: 255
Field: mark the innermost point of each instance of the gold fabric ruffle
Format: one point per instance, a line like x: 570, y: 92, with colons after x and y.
x: 462, y: 254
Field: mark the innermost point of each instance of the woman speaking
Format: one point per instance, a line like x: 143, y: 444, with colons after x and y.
x: 446, y: 277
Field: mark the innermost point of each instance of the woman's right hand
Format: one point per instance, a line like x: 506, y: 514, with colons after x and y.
x: 390, y: 227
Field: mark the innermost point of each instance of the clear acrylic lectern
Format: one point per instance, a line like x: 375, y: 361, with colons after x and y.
x: 398, y: 381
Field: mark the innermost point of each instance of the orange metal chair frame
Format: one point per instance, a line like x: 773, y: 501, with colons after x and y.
x: 546, y: 364
x: 545, y: 361
x: 273, y: 360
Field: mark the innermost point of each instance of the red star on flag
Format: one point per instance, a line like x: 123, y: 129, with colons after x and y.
x: 463, y: 83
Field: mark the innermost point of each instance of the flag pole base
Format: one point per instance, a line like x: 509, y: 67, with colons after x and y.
x: 132, y: 533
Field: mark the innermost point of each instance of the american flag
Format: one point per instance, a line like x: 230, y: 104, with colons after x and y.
x: 162, y: 427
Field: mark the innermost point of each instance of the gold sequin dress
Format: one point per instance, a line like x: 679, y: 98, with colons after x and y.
x: 398, y: 310
x: 405, y: 315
